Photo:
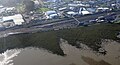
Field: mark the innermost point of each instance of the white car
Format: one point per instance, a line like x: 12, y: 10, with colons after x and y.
x: 101, y: 19
x: 71, y: 13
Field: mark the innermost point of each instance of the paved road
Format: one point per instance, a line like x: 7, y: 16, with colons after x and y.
x: 54, y: 25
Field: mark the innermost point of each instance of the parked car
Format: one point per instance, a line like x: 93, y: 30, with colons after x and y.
x: 81, y: 23
x: 110, y: 19
x: 101, y: 19
x: 92, y: 21
x: 86, y: 23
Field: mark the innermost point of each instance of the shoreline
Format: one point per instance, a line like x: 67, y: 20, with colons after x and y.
x: 73, y: 55
x: 91, y: 36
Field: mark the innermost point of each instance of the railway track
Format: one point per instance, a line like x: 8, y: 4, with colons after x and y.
x: 37, y: 26
x: 68, y: 20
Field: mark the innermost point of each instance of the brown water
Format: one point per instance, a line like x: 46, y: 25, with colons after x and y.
x: 74, y: 56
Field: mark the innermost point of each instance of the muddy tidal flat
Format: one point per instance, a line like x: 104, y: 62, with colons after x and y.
x: 74, y: 56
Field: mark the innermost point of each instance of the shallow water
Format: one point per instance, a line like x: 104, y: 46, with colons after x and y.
x: 74, y: 56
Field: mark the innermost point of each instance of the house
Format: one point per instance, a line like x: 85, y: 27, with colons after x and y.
x: 51, y: 14
x: 71, y: 13
x: 80, y: 11
x: 54, y: 0
x: 8, y: 23
x: 7, y: 11
x: 1, y: 6
x: 10, y: 9
x: 102, y: 9
x: 84, y: 11
x: 79, y: 7
x: 62, y: 9
x: 78, y: 3
x: 91, y: 9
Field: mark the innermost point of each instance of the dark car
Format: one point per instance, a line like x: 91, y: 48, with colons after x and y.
x: 81, y: 23
x: 110, y: 19
x: 92, y: 21
x: 86, y: 23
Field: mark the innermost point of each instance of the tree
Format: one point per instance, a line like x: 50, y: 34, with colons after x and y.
x: 29, y: 5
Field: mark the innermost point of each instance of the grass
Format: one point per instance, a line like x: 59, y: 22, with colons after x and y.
x: 91, y: 36
x: 43, y: 9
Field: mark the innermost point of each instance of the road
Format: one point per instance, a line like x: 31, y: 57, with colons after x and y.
x: 53, y: 25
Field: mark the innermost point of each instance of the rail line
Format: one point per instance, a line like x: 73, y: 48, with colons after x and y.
x: 37, y: 26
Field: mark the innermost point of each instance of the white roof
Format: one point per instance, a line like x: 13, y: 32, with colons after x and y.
x: 1, y: 6
x: 74, y: 5
x: 80, y: 4
x: 85, y: 12
x: 71, y: 12
x: 103, y: 8
x: 49, y: 12
x: 77, y: 1
x: 10, y: 8
x: 51, y: 0
x: 18, y: 19
x: 62, y: 8
x: 52, y: 15
x: 36, y: 2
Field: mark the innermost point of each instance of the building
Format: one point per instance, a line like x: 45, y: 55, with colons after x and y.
x: 10, y: 21
x: 1, y: 6
x: 54, y: 0
x: 17, y: 19
x: 51, y: 14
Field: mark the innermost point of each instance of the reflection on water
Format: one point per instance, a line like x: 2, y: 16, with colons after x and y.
x: 74, y: 56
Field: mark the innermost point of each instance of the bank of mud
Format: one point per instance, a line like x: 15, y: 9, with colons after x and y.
x: 74, y: 56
